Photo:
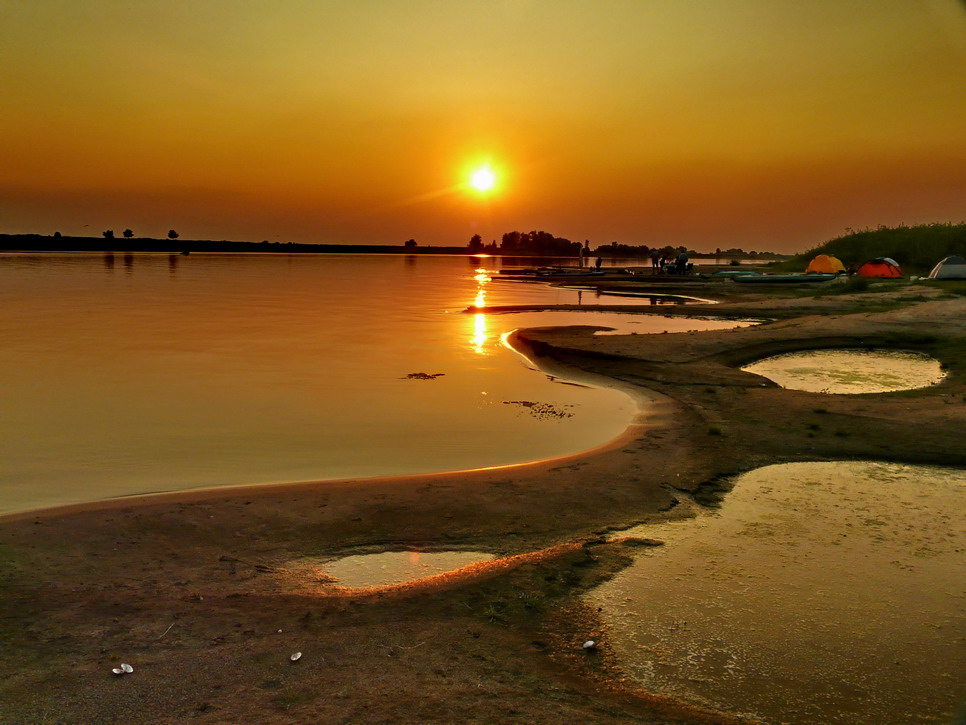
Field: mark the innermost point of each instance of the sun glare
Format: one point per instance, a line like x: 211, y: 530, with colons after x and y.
x: 483, y: 179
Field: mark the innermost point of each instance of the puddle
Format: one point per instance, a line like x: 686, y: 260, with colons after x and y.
x: 641, y: 325
x: 817, y: 593
x: 850, y: 371
x: 642, y: 296
x: 623, y: 323
x: 657, y: 298
x: 397, y: 567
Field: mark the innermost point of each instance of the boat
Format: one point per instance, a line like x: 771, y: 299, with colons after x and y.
x: 794, y: 278
x: 735, y: 272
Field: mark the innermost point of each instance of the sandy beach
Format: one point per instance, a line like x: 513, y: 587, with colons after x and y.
x: 202, y: 591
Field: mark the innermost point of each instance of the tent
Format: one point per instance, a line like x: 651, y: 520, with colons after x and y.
x: 950, y: 268
x: 880, y: 267
x: 825, y: 264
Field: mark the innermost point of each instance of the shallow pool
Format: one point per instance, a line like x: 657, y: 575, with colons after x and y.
x: 850, y: 371
x: 397, y: 567
x: 817, y: 593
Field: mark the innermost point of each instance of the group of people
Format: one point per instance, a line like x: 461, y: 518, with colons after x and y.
x: 663, y: 263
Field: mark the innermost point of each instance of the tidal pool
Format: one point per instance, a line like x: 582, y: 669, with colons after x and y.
x: 623, y: 323
x: 817, y: 593
x: 658, y: 298
x: 397, y: 567
x: 850, y: 371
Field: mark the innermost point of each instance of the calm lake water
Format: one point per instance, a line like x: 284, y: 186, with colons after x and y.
x: 126, y: 374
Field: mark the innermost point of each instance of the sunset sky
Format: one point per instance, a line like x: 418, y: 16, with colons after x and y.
x: 764, y: 124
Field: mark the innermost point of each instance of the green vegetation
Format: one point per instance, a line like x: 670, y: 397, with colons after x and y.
x: 917, y: 249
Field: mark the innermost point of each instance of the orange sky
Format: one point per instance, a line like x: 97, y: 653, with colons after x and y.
x: 765, y: 124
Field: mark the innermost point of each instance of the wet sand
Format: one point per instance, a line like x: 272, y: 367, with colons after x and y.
x: 195, y: 590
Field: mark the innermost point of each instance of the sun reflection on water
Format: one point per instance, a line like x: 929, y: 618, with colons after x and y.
x: 479, y: 337
x: 479, y: 334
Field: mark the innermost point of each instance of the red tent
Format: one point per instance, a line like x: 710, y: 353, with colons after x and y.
x: 880, y: 267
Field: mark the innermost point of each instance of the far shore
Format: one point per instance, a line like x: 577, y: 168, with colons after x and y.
x: 120, y: 244
x: 200, y: 590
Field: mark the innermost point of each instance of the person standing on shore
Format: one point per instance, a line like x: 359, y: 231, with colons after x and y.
x: 600, y: 261
x: 655, y: 262
x: 682, y: 262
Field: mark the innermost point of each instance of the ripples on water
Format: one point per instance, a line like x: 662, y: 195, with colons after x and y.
x: 818, y: 593
x: 134, y: 373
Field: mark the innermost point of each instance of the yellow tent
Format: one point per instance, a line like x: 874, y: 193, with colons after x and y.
x: 826, y: 264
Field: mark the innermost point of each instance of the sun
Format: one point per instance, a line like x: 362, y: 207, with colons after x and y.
x: 483, y: 179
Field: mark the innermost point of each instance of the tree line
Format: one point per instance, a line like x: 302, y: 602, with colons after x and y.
x: 545, y: 243
x: 128, y: 234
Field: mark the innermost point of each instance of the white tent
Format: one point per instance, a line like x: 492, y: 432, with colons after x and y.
x: 950, y: 268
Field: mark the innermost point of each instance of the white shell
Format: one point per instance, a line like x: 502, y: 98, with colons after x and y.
x: 590, y: 644
x: 127, y: 668
x: 295, y: 657
x: 117, y: 671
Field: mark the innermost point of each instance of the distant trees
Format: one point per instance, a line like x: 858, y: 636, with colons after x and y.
x: 539, y: 243
x: 108, y: 233
x: 476, y: 243
x: 127, y: 233
x: 172, y: 234
x: 411, y: 244
x: 616, y: 249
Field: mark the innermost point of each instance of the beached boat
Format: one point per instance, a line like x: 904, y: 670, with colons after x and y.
x: 795, y: 278
x: 735, y: 272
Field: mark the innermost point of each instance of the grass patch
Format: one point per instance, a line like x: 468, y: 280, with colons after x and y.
x: 917, y: 249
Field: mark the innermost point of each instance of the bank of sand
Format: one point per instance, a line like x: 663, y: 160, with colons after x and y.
x: 204, y: 593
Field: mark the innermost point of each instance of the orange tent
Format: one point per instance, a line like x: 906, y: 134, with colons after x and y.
x: 825, y: 264
x: 880, y: 267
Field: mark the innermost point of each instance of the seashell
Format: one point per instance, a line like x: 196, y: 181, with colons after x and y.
x: 127, y: 668
x: 590, y: 644
x: 117, y: 671
x: 296, y: 657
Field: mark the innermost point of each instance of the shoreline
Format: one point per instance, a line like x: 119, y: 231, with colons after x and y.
x: 90, y: 586
x: 640, y: 398
x: 202, y: 494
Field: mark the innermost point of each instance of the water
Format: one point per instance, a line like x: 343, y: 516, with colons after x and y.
x: 819, y: 593
x: 850, y: 371
x: 127, y: 374
x: 391, y: 567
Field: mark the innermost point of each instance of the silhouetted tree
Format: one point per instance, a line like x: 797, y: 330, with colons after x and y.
x: 537, y: 242
x: 476, y: 243
x: 172, y: 234
x: 127, y: 233
x: 411, y: 244
x: 56, y: 235
x: 108, y: 233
